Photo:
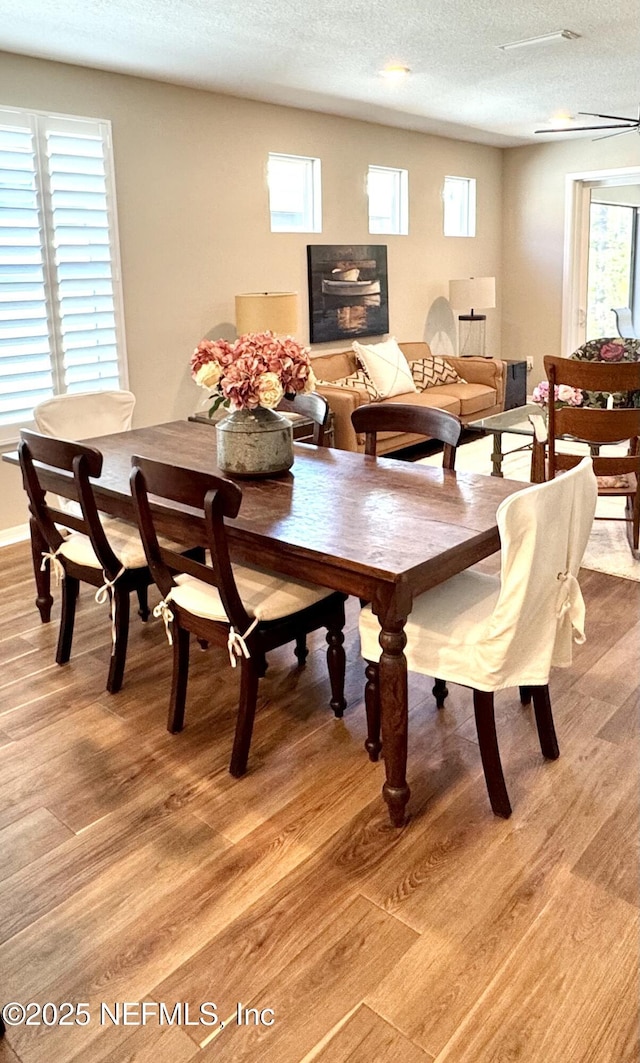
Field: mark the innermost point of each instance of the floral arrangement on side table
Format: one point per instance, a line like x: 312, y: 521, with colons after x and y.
x: 564, y: 395
x: 258, y: 370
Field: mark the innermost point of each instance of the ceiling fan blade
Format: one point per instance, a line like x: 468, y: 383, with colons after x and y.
x: 629, y: 129
x: 586, y: 128
x: 614, y: 117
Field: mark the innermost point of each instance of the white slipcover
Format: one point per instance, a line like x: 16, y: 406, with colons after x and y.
x: 85, y: 414
x: 491, y: 632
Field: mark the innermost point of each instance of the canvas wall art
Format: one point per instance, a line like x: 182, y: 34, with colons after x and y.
x: 348, y: 291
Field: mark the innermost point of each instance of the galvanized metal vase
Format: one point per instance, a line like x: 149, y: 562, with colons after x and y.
x: 254, y: 443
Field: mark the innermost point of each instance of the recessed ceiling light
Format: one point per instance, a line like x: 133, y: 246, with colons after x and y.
x: 545, y: 38
x: 561, y: 121
x: 395, y: 71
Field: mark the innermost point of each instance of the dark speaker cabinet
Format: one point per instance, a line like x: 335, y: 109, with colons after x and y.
x: 515, y: 392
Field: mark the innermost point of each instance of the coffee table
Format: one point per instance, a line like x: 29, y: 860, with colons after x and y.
x: 516, y: 422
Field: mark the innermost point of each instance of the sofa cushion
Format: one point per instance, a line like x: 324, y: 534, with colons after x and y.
x: 472, y: 397
x: 360, y: 380
x: 432, y: 371
x: 437, y: 398
x: 387, y: 366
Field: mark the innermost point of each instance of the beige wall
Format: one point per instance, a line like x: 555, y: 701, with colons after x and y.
x: 533, y: 226
x: 194, y: 224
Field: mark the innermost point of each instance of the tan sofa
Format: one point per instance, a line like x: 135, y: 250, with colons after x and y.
x: 481, y: 395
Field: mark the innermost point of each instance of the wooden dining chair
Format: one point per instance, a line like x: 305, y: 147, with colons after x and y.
x: 312, y: 406
x: 248, y: 610
x: 617, y: 473
x: 105, y: 553
x: 493, y: 632
x: 373, y: 417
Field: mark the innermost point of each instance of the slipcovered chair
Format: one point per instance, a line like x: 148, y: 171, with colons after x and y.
x: 83, y: 414
x: 491, y: 632
x: 246, y: 609
x: 106, y: 553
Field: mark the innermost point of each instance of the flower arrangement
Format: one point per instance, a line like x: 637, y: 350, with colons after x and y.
x: 259, y: 369
x: 563, y: 394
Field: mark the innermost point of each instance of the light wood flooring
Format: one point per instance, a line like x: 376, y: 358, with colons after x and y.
x: 134, y: 868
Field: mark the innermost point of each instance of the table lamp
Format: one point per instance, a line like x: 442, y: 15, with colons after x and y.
x: 475, y: 292
x: 276, y: 312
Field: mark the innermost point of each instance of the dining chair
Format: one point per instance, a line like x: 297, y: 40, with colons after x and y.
x: 617, y: 474
x: 372, y: 418
x: 248, y: 610
x: 83, y: 414
x: 493, y: 632
x: 104, y: 552
x: 313, y: 406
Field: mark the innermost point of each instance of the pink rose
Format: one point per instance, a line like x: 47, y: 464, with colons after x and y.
x: 612, y: 352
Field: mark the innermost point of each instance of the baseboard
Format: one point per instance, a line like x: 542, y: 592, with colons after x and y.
x: 14, y: 535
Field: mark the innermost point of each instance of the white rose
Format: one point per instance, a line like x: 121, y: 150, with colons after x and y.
x: 310, y: 383
x: 270, y: 390
x: 208, y: 375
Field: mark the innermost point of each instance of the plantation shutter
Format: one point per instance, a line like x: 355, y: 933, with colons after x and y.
x: 60, y: 312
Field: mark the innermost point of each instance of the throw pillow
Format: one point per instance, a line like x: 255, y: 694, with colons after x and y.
x: 360, y: 380
x: 387, y: 366
x: 430, y: 372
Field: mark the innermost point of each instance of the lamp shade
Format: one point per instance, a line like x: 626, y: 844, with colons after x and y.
x: 474, y: 293
x: 262, y: 311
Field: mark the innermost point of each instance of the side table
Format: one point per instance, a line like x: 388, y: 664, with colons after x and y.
x: 515, y: 392
x: 302, y: 426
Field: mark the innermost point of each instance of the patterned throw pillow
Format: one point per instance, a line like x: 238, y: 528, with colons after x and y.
x: 430, y: 372
x: 359, y: 380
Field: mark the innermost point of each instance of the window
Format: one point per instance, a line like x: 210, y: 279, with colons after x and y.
x: 294, y: 194
x: 388, y: 192
x: 613, y: 257
x: 459, y: 195
x: 60, y: 304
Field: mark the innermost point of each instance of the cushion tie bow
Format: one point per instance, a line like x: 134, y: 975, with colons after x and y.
x: 162, y: 609
x: 236, y: 643
x: 56, y: 564
x: 101, y: 596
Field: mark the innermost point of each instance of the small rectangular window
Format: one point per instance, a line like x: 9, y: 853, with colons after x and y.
x: 459, y: 195
x: 60, y: 300
x: 388, y: 192
x: 294, y: 194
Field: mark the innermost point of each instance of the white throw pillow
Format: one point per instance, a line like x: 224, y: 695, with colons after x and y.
x: 387, y: 366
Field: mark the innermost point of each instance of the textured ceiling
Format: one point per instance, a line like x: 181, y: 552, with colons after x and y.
x: 327, y: 56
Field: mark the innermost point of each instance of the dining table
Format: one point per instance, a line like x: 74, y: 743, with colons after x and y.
x: 381, y: 529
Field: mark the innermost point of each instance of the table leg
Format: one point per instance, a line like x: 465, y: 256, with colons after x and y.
x: 394, y: 719
x: 496, y: 454
x: 44, y: 601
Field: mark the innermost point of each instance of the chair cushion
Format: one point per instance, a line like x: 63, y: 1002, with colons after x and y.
x: 124, y: 540
x: 387, y: 366
x: 265, y: 595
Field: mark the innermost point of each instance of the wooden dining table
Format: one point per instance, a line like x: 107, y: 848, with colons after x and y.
x: 380, y: 529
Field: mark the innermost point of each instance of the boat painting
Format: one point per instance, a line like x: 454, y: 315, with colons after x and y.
x: 348, y: 291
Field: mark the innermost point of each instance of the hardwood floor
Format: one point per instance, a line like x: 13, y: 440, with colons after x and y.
x: 134, y: 868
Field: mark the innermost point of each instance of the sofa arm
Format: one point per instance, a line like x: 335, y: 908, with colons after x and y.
x: 343, y: 401
x: 488, y: 371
